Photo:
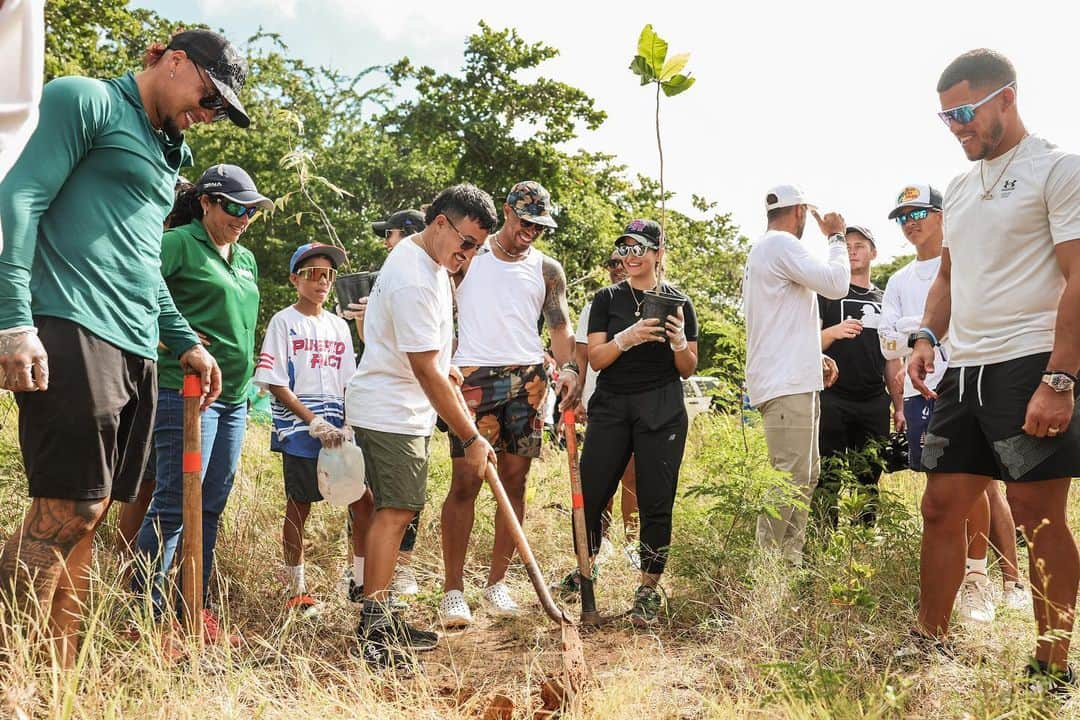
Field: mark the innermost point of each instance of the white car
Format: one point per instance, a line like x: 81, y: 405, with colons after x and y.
x: 697, y: 393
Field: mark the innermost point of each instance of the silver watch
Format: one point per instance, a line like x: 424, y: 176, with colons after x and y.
x: 837, y: 238
x: 1059, y: 381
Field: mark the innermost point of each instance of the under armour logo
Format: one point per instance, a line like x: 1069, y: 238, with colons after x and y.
x: 1008, y: 185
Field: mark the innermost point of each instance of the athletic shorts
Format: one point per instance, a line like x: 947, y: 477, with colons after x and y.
x: 395, y: 467
x: 301, y: 478
x: 977, y: 421
x: 917, y: 412
x: 88, y: 436
x: 508, y: 406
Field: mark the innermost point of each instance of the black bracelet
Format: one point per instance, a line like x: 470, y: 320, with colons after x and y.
x: 1061, y: 372
x: 465, y: 445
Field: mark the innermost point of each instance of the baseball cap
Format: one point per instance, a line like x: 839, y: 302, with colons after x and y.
x: 232, y: 182
x: 917, y: 196
x: 531, y: 202
x: 782, y: 196
x: 336, y: 254
x: 864, y: 231
x: 411, y: 221
x: 645, y: 231
x: 226, y: 67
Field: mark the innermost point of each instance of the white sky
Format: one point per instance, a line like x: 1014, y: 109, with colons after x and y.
x: 836, y: 96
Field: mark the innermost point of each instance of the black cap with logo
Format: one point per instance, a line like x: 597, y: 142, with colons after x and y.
x: 226, y: 67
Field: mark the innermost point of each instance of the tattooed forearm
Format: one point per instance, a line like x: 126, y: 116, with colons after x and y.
x: 556, y: 311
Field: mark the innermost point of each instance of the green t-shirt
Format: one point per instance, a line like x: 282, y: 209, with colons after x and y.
x: 219, y: 298
x: 82, y: 211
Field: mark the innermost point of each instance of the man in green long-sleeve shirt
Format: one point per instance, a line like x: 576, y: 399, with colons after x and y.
x: 81, y: 293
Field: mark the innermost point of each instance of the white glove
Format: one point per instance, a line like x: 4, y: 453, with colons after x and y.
x: 643, y: 331
x: 24, y: 364
x: 327, y: 434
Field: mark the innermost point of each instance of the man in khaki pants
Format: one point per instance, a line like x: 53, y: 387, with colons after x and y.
x: 785, y: 369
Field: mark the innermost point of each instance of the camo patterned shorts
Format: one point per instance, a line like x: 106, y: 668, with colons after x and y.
x: 507, y: 403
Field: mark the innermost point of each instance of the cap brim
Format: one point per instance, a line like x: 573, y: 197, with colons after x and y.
x: 545, y: 220
x: 646, y: 241
x: 235, y: 111
x: 336, y: 255
x: 249, y: 197
x: 380, y: 227
x: 898, y: 208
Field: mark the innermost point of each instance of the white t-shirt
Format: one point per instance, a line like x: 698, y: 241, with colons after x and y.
x: 499, y: 306
x: 582, y: 337
x: 313, y: 356
x: 902, y: 314
x: 22, y: 55
x: 783, y: 327
x: 1006, y: 282
x: 410, y: 309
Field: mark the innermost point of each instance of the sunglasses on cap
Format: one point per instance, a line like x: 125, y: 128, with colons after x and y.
x: 212, y: 100
x: 613, y: 263
x: 318, y: 273
x: 467, y: 244
x: 635, y: 250
x: 904, y: 218
x: 235, y: 209
x: 964, y: 114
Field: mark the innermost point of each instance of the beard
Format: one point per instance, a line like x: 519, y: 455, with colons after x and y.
x: 997, y: 131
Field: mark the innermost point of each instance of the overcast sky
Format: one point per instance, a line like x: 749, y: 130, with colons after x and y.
x: 836, y: 96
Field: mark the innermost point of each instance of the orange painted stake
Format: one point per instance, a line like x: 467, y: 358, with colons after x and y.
x: 191, y: 553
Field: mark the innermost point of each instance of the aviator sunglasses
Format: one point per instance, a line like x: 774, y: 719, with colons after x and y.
x: 964, y: 114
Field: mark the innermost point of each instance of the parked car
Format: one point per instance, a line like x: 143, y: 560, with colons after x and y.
x: 697, y: 394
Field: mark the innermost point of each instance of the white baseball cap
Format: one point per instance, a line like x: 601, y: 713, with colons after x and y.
x: 783, y: 196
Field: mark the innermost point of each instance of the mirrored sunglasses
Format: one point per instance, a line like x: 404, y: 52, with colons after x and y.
x: 635, y: 250
x: 964, y: 114
x: 317, y: 274
x: 235, y: 209
x: 904, y: 218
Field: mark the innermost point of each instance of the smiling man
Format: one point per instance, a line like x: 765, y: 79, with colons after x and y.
x: 1006, y: 406
x: 82, y: 212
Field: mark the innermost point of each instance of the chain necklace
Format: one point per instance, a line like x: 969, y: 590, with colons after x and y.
x: 509, y: 254
x: 988, y: 193
x: 637, y: 303
x: 862, y: 293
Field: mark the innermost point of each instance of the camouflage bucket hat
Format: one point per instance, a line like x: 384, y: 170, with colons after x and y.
x: 531, y: 202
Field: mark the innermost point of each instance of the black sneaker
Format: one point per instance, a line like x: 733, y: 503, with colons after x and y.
x: 408, y: 637
x: 646, y: 609
x: 569, y: 588
x: 920, y: 646
x: 381, y: 653
x: 1043, y: 680
x: 356, y: 592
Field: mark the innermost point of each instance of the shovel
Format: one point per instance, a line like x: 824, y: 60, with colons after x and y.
x: 575, y: 671
x: 191, y: 553
x: 589, y: 615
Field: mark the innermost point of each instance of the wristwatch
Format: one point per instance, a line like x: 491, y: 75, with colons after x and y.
x: 923, y: 334
x: 837, y: 238
x: 1059, y: 380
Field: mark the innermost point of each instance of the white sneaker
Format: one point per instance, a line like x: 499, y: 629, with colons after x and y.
x: 499, y: 601
x: 976, y: 600
x: 404, y: 582
x: 454, y: 611
x: 1016, y: 596
x: 632, y: 555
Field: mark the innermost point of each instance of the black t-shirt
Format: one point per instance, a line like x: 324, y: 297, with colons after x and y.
x: 646, y: 366
x: 861, y: 364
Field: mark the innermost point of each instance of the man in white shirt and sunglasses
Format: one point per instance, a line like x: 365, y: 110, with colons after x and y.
x: 1006, y: 406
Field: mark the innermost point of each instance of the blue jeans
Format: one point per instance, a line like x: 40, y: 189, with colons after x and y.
x: 223, y: 428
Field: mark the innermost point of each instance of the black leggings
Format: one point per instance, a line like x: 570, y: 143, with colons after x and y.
x: 651, y: 426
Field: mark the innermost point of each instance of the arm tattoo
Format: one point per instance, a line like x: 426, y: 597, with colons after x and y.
x: 556, y: 311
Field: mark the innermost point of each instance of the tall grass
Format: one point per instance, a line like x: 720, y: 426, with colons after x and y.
x: 743, y: 635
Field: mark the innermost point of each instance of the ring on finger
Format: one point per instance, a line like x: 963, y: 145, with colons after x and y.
x: 1053, y: 431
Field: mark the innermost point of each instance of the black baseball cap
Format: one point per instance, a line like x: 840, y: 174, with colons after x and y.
x: 226, y: 67
x: 410, y: 221
x: 232, y: 182
x: 647, y: 232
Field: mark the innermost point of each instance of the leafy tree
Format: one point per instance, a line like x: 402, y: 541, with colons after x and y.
x: 880, y: 274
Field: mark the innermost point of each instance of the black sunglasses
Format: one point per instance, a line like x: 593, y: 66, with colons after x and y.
x: 613, y: 263
x: 530, y: 225
x: 212, y: 100
x: 467, y: 244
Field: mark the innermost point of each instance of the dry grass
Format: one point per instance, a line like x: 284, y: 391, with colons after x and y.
x: 740, y: 639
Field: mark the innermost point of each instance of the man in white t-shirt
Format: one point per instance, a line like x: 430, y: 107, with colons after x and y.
x: 1006, y: 406
x: 918, y: 212
x: 404, y: 379
x: 784, y: 363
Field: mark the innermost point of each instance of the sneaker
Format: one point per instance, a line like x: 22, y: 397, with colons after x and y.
x: 919, y: 645
x: 303, y: 605
x: 569, y: 588
x: 1044, y: 681
x: 213, y: 634
x: 381, y: 654
x: 497, y: 597
x: 976, y: 602
x: 404, y: 582
x: 632, y: 555
x: 454, y: 611
x: 407, y: 637
x: 647, y: 602
x: 356, y: 591
x: 1016, y: 596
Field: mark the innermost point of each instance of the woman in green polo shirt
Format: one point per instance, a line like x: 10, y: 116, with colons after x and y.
x: 212, y: 279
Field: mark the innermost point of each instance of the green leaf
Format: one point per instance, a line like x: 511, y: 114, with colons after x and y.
x: 653, y: 48
x: 674, y: 66
x: 640, y: 67
x: 677, y: 84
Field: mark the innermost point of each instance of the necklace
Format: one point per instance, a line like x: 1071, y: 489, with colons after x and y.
x: 862, y: 293
x: 509, y: 254
x: 637, y: 303
x: 924, y: 278
x: 988, y: 192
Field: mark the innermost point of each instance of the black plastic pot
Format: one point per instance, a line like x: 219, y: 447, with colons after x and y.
x: 353, y: 286
x: 659, y: 305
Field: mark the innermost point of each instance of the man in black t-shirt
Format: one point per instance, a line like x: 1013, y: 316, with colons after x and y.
x: 855, y: 410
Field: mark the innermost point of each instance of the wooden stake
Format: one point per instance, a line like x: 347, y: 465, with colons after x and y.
x: 191, y: 554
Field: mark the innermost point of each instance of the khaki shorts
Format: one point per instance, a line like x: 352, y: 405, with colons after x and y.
x: 396, y: 468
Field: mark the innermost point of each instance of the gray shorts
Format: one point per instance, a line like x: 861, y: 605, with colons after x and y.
x: 396, y: 468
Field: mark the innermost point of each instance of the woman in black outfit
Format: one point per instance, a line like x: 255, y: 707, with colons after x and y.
x: 638, y: 406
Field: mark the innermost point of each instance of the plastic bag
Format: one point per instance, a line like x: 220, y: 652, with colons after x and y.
x: 341, y: 474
